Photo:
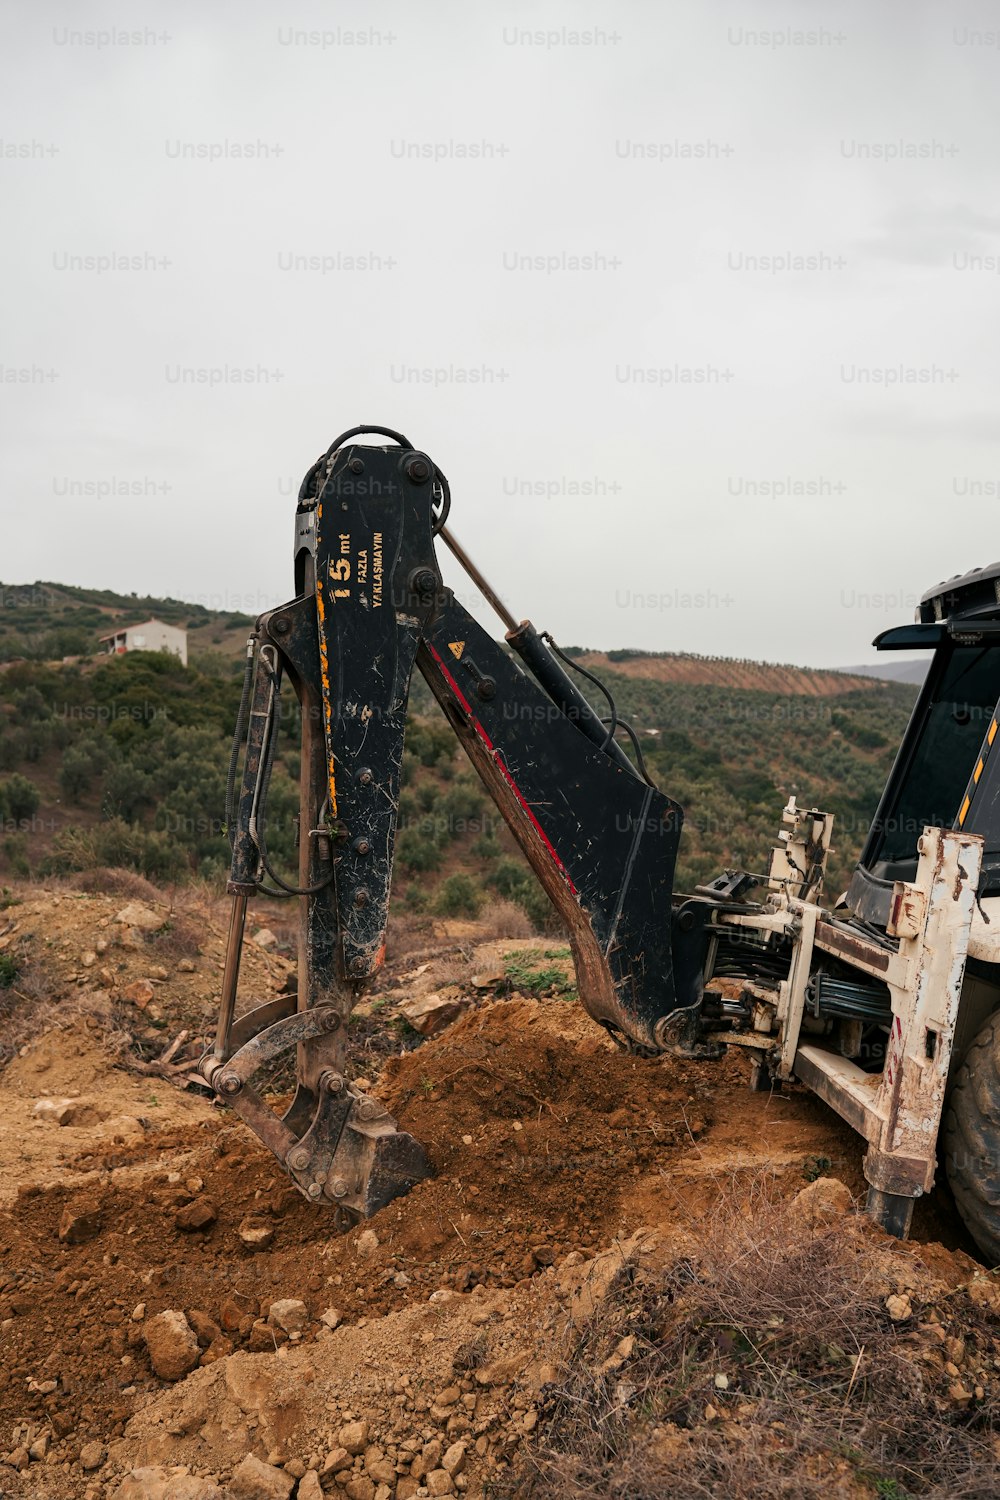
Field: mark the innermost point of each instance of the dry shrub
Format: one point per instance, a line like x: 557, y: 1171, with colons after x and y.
x: 453, y: 969
x: 25, y: 1011
x: 28, y: 1010
x: 822, y: 1393
x: 501, y: 918
x: 181, y: 936
x: 105, y: 881
x: 471, y: 1355
x: 199, y: 895
x: 406, y: 934
x: 410, y: 935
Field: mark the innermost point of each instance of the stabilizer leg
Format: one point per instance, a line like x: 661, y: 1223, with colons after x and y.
x: 891, y: 1211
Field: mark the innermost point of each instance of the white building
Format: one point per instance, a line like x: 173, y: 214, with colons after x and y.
x: 151, y: 635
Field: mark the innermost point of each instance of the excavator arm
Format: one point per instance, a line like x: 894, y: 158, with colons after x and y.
x: 370, y: 606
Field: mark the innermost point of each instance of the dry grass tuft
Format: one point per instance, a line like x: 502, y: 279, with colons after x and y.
x: 764, y: 1366
x: 452, y: 970
x: 500, y: 918
x: 471, y: 1355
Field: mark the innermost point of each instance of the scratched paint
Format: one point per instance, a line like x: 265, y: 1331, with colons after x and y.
x: 324, y: 672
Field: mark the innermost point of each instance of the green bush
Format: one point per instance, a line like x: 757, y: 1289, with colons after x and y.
x: 119, y: 845
x: 426, y: 795
x: 126, y: 792
x: 15, y: 850
x: 516, y: 881
x: 75, y: 773
x: 508, y: 876
x: 429, y: 742
x: 417, y: 851
x: 416, y: 896
x: 21, y: 797
x: 30, y: 706
x: 14, y: 745
x: 458, y: 896
x: 487, y: 846
x: 462, y: 807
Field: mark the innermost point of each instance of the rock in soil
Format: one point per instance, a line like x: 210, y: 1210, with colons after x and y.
x: 256, y: 1235
x: 254, y: 1480
x: 162, y: 1484
x: 172, y: 1344
x: 201, y: 1214
x: 80, y: 1223
x: 91, y: 1456
x: 289, y: 1314
x: 353, y: 1437
x: 825, y: 1199
x: 137, y: 914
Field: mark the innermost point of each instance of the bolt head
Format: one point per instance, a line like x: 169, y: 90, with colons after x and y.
x: 418, y: 470
x: 337, y: 1188
x: 229, y: 1083
x: 356, y: 466
x: 298, y: 1159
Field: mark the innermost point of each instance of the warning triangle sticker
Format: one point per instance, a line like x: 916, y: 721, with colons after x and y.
x: 456, y: 648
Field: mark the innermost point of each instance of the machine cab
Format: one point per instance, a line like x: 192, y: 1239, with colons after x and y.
x: 947, y: 771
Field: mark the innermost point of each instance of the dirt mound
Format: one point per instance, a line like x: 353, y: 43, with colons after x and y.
x: 542, y: 1121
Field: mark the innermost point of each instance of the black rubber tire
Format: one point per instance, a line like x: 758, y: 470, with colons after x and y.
x: 970, y: 1139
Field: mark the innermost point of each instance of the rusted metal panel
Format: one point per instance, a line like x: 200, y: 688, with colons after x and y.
x: 919, y: 1053
x: 907, y: 911
x: 833, y: 937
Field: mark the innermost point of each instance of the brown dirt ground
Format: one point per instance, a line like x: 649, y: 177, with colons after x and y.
x: 549, y: 1147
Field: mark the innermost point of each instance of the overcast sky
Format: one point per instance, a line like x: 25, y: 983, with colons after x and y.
x: 573, y: 224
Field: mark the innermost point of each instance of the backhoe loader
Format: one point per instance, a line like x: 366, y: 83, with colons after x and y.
x: 883, y: 1002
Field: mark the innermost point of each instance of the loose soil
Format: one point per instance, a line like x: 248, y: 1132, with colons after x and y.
x: 554, y: 1156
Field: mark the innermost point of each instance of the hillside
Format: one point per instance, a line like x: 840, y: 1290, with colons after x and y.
x: 721, y: 671
x: 891, y: 669
x: 122, y: 760
x: 48, y: 621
